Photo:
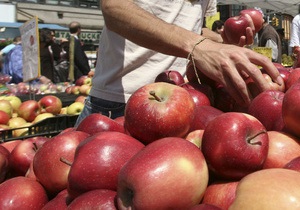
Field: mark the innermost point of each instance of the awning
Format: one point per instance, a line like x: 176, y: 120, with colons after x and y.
x: 41, y: 25
x: 290, y: 7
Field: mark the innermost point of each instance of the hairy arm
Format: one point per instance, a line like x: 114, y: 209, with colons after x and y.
x: 139, y: 26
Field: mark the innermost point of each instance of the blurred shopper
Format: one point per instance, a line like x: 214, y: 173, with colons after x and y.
x: 13, y: 64
x: 5, y: 50
x: 81, y: 62
x: 218, y: 26
x: 46, y: 58
x: 269, y: 37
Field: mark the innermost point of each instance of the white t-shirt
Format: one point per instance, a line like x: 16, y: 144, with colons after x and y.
x: 295, y: 32
x: 123, y: 67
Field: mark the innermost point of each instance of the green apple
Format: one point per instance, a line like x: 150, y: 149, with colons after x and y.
x: 6, y: 106
x: 15, y: 101
x: 75, y: 108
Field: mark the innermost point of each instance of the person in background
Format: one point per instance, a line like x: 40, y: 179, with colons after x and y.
x: 284, y: 48
x: 295, y: 35
x: 13, y: 64
x: 268, y: 37
x: 218, y: 26
x: 81, y: 63
x: 46, y: 58
x: 5, y: 50
x: 141, y: 39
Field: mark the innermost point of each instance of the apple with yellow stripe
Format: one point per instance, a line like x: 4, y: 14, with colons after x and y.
x: 169, y: 173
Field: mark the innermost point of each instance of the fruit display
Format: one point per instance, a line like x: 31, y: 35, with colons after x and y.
x: 28, y: 110
x: 168, y: 150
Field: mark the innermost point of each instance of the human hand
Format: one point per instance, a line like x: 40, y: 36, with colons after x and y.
x: 228, y: 65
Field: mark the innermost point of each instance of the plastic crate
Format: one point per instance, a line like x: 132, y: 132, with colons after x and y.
x: 48, y: 127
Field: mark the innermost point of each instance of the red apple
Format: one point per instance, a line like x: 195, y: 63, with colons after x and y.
x: 223, y: 100
x: 235, y: 27
x: 294, y: 164
x: 60, y: 201
x: 102, y: 156
x: 267, y: 108
x: 4, y: 117
x: 4, y: 163
x: 220, y: 194
x: 274, y: 189
x: 291, y: 109
x: 68, y: 90
x: 195, y: 137
x: 283, y: 147
x: 29, y: 110
x: 95, y: 199
x: 256, y: 91
x: 22, y: 155
x: 203, y: 88
x: 99, y: 123
x: 22, y: 193
x: 80, y: 98
x: 83, y: 80
x: 159, y: 110
x: 278, y: 65
x: 203, y: 206
x: 169, y: 173
x: 256, y: 17
x: 293, y: 78
x: 234, y: 144
x: 199, y: 98
x: 84, y: 89
x: 202, y: 115
x: 120, y: 120
x: 75, y: 90
x: 48, y: 166
x: 10, y: 145
x: 170, y: 76
x: 30, y: 173
x: 285, y: 73
x: 50, y: 104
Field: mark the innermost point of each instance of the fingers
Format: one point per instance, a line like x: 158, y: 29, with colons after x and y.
x: 237, y: 87
x: 268, y: 66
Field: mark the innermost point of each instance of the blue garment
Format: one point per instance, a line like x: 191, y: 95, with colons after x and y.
x: 13, y: 64
x: 8, y: 48
x: 97, y: 105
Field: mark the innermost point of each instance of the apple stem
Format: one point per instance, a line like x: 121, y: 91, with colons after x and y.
x: 35, y: 148
x: 252, y: 140
x: 64, y: 160
x: 152, y: 93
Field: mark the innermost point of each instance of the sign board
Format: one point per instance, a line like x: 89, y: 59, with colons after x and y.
x: 267, y: 51
x: 31, y: 54
x: 211, y: 19
x: 85, y: 36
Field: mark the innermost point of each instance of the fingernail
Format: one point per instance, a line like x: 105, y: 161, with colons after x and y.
x: 279, y: 80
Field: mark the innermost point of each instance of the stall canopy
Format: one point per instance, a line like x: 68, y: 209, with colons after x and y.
x: 9, y: 30
x: 290, y: 7
x: 41, y: 25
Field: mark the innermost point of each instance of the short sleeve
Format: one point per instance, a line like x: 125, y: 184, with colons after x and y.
x: 211, y: 8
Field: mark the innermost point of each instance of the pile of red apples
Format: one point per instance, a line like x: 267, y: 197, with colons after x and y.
x: 181, y: 144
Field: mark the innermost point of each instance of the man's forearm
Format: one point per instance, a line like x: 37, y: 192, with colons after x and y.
x: 141, y: 27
